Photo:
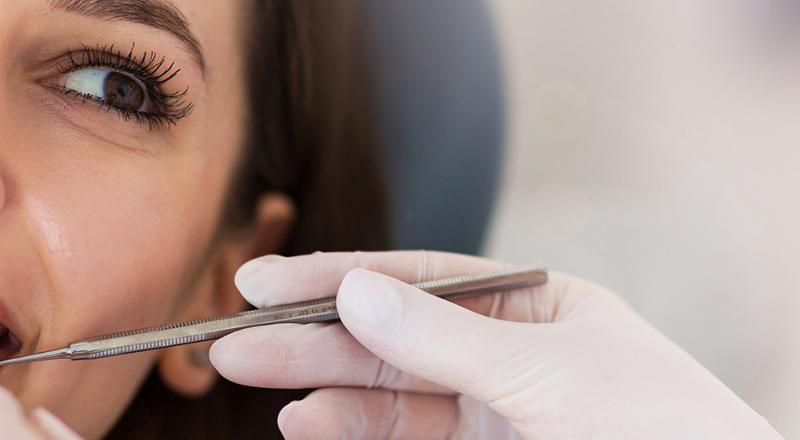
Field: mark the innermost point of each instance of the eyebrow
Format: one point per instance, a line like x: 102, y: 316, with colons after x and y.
x: 158, y: 14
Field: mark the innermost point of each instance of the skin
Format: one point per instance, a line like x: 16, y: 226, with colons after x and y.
x: 106, y: 224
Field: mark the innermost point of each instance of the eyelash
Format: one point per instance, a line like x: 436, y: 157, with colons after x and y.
x: 149, y: 69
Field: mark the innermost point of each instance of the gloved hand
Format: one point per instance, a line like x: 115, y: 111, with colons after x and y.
x: 565, y: 360
x: 40, y: 424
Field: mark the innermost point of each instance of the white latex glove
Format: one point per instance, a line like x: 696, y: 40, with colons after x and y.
x: 39, y: 425
x: 562, y: 361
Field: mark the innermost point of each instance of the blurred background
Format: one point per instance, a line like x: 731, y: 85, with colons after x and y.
x: 653, y: 147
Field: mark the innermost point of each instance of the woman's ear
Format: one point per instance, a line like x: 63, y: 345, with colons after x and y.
x: 186, y: 369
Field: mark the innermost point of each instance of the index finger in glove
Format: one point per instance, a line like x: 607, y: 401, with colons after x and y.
x: 274, y: 280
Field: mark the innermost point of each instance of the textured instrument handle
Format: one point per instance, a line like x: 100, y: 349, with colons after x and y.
x: 318, y: 310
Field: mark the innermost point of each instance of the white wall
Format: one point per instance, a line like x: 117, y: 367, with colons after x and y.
x: 655, y: 148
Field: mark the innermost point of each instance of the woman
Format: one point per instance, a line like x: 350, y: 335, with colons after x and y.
x: 145, y: 159
x: 148, y: 149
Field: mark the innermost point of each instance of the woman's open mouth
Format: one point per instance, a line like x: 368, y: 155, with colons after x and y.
x: 10, y: 336
x: 9, y: 343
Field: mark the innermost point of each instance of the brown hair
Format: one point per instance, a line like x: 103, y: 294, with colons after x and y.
x: 310, y: 135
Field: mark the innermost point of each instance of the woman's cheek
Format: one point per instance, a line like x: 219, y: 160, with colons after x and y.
x: 108, y: 259
x: 116, y: 254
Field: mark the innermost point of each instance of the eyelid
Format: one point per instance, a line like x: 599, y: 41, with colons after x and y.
x: 148, y: 69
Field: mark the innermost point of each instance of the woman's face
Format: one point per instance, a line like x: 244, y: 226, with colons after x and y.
x: 111, y: 181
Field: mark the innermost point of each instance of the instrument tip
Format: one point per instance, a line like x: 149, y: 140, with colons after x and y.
x: 61, y: 353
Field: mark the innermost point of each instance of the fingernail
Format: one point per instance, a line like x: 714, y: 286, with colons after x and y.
x: 246, y: 278
x: 285, y: 411
x: 256, y: 264
x: 370, y: 300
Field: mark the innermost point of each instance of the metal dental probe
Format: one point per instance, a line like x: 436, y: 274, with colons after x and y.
x: 320, y: 310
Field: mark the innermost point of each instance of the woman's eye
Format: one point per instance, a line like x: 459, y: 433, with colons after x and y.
x: 113, y: 88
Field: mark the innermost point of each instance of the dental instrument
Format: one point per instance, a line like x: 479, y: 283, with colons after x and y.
x: 320, y: 310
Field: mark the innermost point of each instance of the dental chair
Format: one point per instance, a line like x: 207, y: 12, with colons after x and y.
x: 440, y: 117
